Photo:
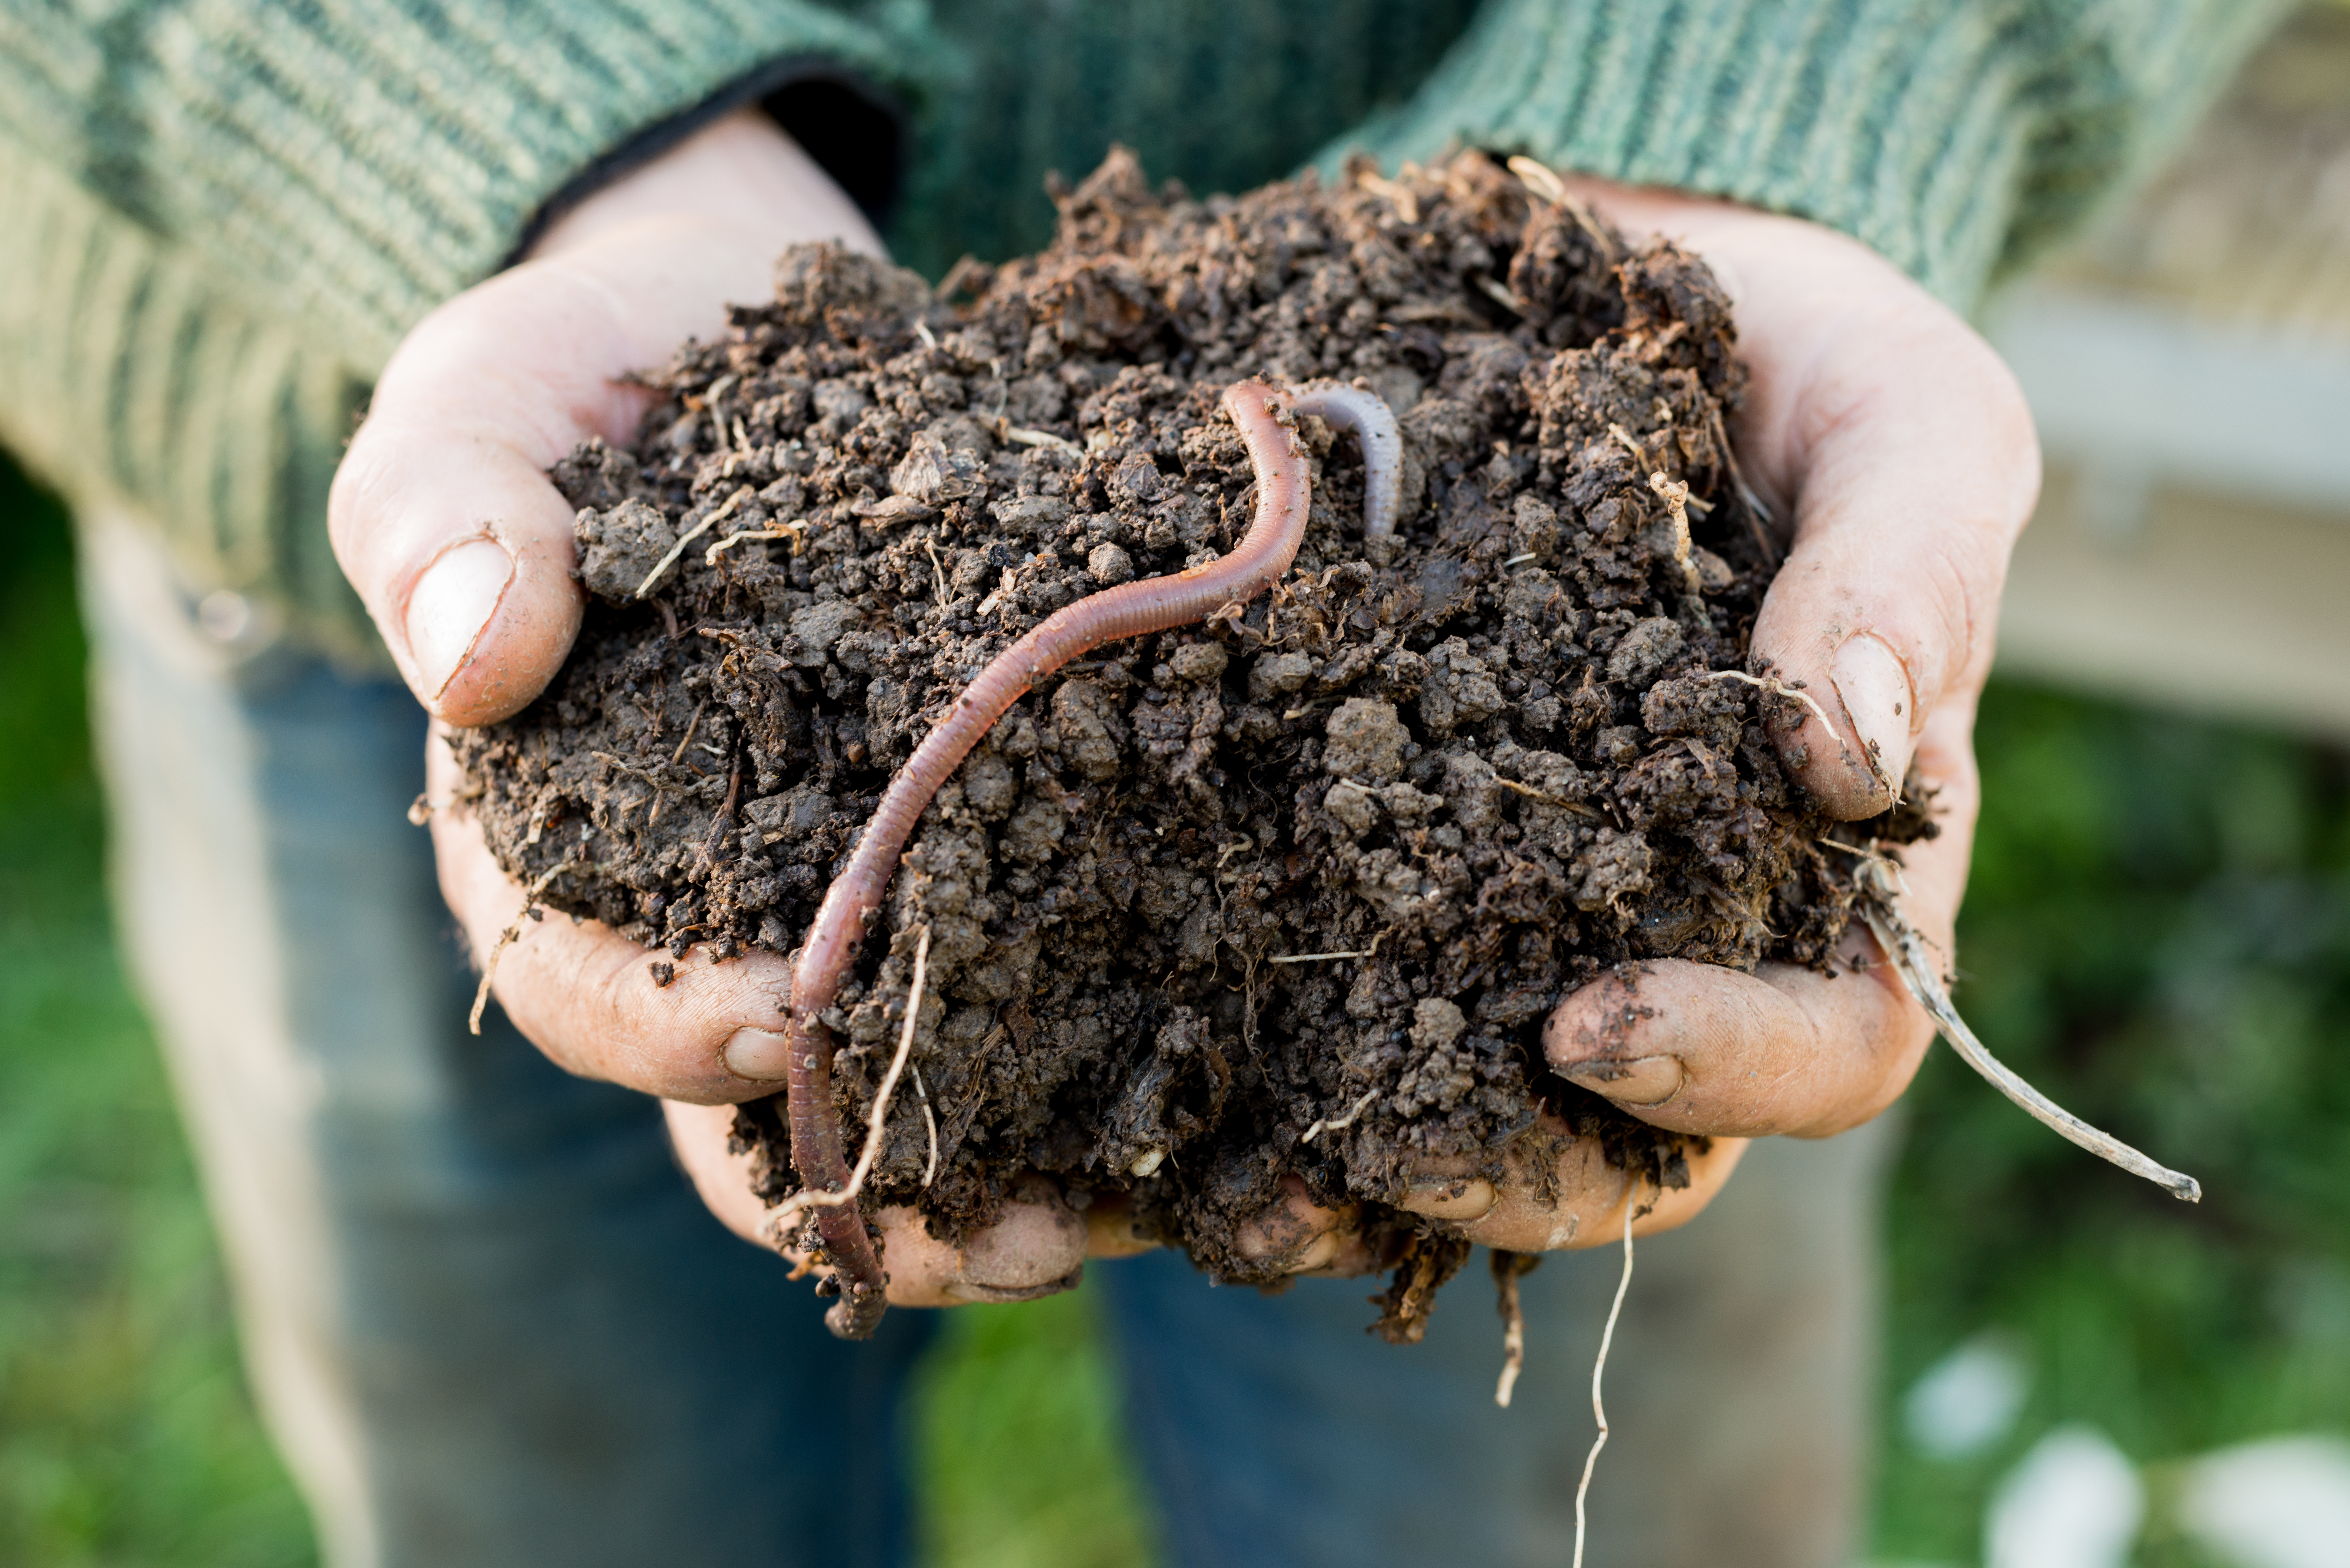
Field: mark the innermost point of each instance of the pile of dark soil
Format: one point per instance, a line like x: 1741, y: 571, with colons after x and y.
x: 1334, y: 856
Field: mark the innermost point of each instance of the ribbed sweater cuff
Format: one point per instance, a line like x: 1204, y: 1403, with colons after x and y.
x: 1956, y: 137
x: 359, y: 161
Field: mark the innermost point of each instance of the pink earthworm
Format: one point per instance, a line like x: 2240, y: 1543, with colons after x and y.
x: 1265, y: 418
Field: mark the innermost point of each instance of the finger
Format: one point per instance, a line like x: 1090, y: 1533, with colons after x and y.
x: 1580, y: 1202
x: 1917, y: 468
x: 1908, y: 453
x: 1703, y: 1049
x: 1110, y: 1231
x: 589, y: 998
x: 1036, y: 1249
x: 441, y: 513
x: 1298, y: 1236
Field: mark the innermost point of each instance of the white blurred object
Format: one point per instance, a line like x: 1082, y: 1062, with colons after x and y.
x: 1969, y: 1399
x: 2280, y: 1503
x: 2073, y: 1501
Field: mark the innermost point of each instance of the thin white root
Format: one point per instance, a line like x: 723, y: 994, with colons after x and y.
x: 1341, y: 1122
x: 1320, y: 958
x: 930, y: 1125
x: 786, y: 531
x: 1772, y: 684
x: 1907, y: 949
x: 1507, y: 1271
x: 507, y: 939
x: 727, y: 510
x: 1598, y: 1369
x: 786, y: 1219
x: 1020, y: 437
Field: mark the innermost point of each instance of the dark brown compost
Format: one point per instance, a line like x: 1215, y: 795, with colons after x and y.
x: 1472, y: 767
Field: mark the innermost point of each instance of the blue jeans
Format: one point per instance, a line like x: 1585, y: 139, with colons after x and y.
x: 489, y: 1323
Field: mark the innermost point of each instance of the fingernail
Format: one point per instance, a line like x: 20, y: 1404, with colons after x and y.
x: 978, y: 1292
x: 1451, y: 1199
x: 1318, y: 1254
x: 759, y: 1053
x: 1875, y: 689
x: 1643, y: 1081
x: 450, y: 606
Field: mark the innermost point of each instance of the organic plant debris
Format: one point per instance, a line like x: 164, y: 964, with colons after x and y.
x: 1473, y: 765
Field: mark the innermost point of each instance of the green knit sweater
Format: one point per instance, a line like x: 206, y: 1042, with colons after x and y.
x: 218, y: 216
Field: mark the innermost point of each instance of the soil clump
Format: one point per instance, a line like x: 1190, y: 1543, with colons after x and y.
x: 1318, y: 867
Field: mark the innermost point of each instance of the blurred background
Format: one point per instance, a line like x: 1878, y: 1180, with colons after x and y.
x: 2077, y: 1373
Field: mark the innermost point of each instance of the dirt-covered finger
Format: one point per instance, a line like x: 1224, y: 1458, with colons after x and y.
x: 683, y: 1027
x: 1703, y: 1049
x: 1299, y: 1236
x: 1579, y: 1201
x: 1038, y: 1248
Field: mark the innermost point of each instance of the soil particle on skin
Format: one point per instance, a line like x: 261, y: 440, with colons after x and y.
x: 1472, y: 766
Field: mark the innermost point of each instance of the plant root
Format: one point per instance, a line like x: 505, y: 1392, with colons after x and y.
x: 1334, y: 1124
x: 1598, y: 1369
x: 1908, y: 948
x: 1509, y: 1268
x: 507, y: 938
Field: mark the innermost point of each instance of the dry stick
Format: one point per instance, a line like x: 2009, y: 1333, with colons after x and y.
x: 1265, y: 418
x: 1598, y: 1367
x: 1903, y: 943
x: 506, y: 938
x: 781, y: 1224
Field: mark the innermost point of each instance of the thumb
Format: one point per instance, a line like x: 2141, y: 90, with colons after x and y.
x: 1911, y: 455
x: 441, y: 513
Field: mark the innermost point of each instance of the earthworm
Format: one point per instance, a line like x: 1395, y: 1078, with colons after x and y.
x: 1265, y: 418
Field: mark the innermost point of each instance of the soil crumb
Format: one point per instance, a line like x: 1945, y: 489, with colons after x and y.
x: 1327, y: 861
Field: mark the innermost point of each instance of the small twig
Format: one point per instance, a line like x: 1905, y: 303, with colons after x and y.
x: 692, y: 724
x: 1772, y: 684
x: 1019, y: 436
x: 1499, y: 293
x: 1321, y: 958
x: 1319, y: 1128
x: 945, y: 595
x: 1906, y: 947
x: 930, y: 1171
x: 1544, y: 796
x: 506, y: 938
x: 781, y: 1224
x: 1598, y: 1368
x: 922, y: 331
x: 725, y: 509
x: 1407, y: 204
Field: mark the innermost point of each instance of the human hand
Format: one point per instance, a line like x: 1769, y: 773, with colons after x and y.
x: 1901, y: 448
x: 445, y: 522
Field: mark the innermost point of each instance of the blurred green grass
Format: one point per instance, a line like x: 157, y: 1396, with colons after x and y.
x: 2158, y: 934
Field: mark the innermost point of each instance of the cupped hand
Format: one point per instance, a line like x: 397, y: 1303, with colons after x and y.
x: 445, y: 522
x: 1899, y: 448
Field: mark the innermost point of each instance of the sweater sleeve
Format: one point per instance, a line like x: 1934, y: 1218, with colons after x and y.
x: 1956, y: 137
x: 352, y: 163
